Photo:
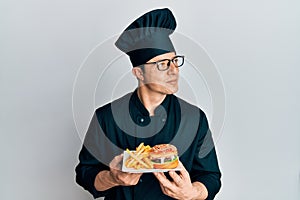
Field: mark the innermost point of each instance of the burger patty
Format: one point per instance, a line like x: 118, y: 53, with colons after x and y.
x: 164, y: 159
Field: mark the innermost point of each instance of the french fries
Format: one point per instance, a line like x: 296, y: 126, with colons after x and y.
x: 139, y: 158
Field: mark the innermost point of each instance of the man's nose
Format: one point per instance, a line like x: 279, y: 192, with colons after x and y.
x: 173, y: 68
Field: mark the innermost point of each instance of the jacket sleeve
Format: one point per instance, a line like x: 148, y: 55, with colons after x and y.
x: 92, y: 158
x: 205, y: 164
x: 87, y: 170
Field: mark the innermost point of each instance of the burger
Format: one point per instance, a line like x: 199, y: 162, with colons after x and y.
x: 164, y: 156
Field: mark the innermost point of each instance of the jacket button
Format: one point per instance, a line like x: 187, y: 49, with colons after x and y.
x: 140, y: 119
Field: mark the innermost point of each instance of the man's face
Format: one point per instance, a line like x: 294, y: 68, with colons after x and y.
x: 164, y: 82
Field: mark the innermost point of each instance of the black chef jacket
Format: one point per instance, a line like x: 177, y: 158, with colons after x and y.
x: 125, y: 123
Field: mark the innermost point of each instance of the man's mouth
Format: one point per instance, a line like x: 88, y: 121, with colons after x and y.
x: 172, y: 82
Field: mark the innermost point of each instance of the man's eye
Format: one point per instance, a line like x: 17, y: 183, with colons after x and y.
x: 162, y: 64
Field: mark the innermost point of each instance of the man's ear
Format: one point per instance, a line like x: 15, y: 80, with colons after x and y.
x: 138, y: 73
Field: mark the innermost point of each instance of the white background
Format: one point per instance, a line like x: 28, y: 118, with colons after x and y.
x: 254, y: 44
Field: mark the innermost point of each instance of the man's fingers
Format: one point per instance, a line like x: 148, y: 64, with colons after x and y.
x: 164, y: 181
x: 166, y: 191
x: 159, y: 175
x: 125, y: 178
x: 132, y: 179
x: 184, y: 172
x: 116, y: 162
x: 118, y: 158
x: 176, y: 178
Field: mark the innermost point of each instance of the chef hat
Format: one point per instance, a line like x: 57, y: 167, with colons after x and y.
x: 148, y: 36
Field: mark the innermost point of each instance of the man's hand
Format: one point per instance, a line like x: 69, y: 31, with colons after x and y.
x: 115, y: 177
x: 181, y: 186
x: 122, y: 178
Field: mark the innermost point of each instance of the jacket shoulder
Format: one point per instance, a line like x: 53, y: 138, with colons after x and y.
x: 107, y: 108
x: 188, y: 107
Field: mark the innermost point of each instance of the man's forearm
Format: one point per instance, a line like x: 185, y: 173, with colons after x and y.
x: 200, y: 191
x: 104, y: 181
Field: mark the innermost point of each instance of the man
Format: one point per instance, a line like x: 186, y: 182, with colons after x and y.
x: 153, y: 115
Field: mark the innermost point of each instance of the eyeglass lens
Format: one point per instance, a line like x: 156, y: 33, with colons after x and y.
x: 165, y: 64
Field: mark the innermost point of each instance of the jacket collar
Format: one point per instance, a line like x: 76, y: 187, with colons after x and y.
x: 139, y: 113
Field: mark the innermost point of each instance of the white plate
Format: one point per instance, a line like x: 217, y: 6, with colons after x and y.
x: 142, y: 170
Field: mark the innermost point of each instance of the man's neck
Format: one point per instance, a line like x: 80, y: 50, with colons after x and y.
x: 151, y: 100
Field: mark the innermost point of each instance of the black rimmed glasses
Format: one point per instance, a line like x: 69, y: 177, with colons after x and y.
x: 163, y: 65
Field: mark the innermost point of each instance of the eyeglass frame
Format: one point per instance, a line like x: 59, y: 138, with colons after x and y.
x: 168, y: 64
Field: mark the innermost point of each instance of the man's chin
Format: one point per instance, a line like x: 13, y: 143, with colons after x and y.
x: 171, y: 90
